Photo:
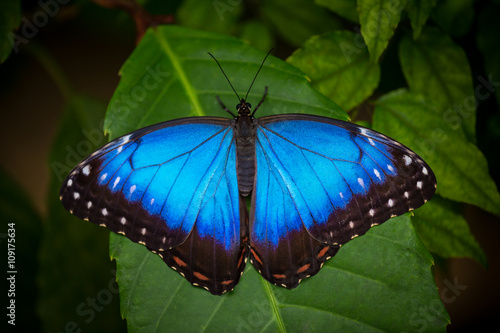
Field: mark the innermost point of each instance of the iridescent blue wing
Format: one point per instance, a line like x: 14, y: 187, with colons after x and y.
x: 321, y: 182
x: 173, y: 188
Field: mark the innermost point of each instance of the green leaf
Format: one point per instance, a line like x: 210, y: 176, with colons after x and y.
x: 335, y: 62
x: 76, y: 278
x: 454, y: 16
x: 10, y: 18
x: 378, y: 20
x: 297, y: 20
x: 460, y: 167
x: 210, y: 15
x: 345, y: 8
x: 20, y: 232
x: 170, y: 76
x: 388, y: 268
x: 444, y: 231
x: 438, y: 68
x: 418, y: 12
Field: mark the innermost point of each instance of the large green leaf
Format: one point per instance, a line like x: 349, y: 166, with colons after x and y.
x: 10, y: 17
x: 335, y: 62
x: 378, y: 20
x: 444, y: 231
x: 171, y: 76
x: 418, y: 12
x: 20, y: 233
x: 460, y: 167
x: 77, y: 288
x: 438, y: 68
x: 377, y: 282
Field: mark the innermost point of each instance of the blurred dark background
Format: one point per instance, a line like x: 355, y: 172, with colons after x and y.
x: 89, y: 44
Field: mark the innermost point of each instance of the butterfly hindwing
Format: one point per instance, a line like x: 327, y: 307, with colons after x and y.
x: 321, y: 182
x: 173, y: 188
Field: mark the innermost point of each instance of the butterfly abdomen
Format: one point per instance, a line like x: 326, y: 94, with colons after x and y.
x: 245, y: 154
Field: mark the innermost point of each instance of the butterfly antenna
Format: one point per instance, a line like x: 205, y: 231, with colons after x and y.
x: 225, y: 76
x: 268, y: 53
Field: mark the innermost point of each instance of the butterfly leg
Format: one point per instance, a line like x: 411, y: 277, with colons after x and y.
x: 224, y: 107
x: 262, y: 100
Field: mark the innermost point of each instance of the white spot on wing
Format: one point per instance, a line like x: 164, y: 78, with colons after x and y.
x: 407, y: 159
x: 126, y: 139
x: 351, y: 225
x: 117, y: 180
x: 371, y: 212
x: 407, y: 195
x: 341, y: 195
x: 152, y: 201
x: 371, y: 142
x: 104, y: 212
x: 132, y: 189
x: 123, y: 220
x: 424, y: 171
x: 70, y: 182
x: 76, y: 195
x: 361, y: 182
x: 103, y: 177
x: 390, y: 203
x: 419, y: 185
x: 86, y: 170
x: 143, y: 231
x: 119, y: 150
x: 375, y: 171
x: 89, y: 204
x: 390, y: 168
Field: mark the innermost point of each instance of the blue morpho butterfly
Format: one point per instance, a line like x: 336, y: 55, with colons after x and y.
x: 179, y: 188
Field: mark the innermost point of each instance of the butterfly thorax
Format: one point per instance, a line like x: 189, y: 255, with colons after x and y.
x: 245, y: 148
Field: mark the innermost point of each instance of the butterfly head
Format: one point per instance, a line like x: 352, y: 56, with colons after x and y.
x: 244, y: 108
